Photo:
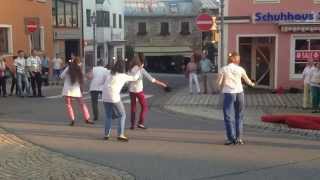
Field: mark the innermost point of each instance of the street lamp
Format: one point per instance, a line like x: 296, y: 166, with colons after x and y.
x: 222, y: 32
x: 94, y: 23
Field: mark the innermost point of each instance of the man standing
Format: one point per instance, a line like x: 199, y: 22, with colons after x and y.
x: 22, y: 78
x: 306, y: 74
x: 205, y: 67
x: 230, y: 82
x: 34, y: 67
x: 45, y: 68
x: 57, y: 65
x: 97, y: 77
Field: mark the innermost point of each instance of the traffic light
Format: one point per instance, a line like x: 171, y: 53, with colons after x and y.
x: 214, y: 24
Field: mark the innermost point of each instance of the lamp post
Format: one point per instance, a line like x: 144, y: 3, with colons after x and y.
x: 222, y: 32
x: 94, y: 23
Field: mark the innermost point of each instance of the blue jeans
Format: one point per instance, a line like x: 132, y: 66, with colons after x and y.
x: 23, y: 79
x: 233, y: 103
x: 116, y: 111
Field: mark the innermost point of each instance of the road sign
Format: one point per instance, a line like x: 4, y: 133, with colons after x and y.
x: 204, y: 22
x: 31, y: 24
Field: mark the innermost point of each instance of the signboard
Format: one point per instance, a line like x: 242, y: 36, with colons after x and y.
x: 306, y: 55
x: 204, y: 22
x: 31, y: 24
x: 277, y: 17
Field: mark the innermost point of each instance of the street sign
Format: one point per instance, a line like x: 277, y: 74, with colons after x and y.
x: 31, y: 24
x: 204, y: 22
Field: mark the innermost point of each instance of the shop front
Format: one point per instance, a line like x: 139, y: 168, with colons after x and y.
x: 275, y: 40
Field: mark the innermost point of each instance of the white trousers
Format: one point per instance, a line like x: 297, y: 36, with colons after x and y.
x: 193, y: 77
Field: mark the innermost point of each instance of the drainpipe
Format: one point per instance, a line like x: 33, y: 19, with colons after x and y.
x: 222, y: 32
x: 82, y: 37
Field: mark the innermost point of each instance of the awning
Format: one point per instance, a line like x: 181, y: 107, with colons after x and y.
x: 303, y: 27
x: 165, y: 51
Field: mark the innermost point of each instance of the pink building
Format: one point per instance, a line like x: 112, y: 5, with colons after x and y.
x: 275, y: 38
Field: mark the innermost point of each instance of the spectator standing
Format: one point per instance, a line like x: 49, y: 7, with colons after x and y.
x: 3, y: 81
x: 205, y: 66
x: 34, y: 67
x: 191, y: 73
x: 45, y: 69
x: 306, y: 75
x: 57, y: 65
x: 315, y: 87
x: 21, y: 75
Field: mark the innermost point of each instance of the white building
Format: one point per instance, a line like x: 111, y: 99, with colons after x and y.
x: 109, y: 19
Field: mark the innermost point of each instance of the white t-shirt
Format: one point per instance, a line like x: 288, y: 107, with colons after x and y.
x: 113, y: 85
x: 137, y: 86
x: 69, y: 89
x: 307, y: 74
x: 231, y: 76
x: 20, y: 63
x: 99, y: 75
x: 34, y: 63
x: 315, y: 77
x: 57, y: 63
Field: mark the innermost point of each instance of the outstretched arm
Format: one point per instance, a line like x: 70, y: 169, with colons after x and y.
x: 247, y: 80
x: 151, y: 79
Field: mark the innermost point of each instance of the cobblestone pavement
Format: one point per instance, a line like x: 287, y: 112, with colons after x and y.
x: 257, y: 105
x: 20, y: 160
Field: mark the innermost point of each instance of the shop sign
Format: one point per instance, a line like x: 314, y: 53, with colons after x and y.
x: 307, y: 55
x: 277, y: 17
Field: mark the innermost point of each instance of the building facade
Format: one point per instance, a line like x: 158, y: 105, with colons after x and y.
x: 108, y: 18
x: 67, y: 27
x: 275, y: 38
x: 164, y: 30
x: 25, y: 25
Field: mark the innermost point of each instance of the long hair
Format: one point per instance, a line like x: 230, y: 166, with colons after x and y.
x: 134, y: 62
x: 75, y: 71
x: 141, y: 57
x: 119, y: 67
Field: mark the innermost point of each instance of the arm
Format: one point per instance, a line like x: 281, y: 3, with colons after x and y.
x: 220, y: 80
x: 151, y: 79
x: 63, y: 74
x: 246, y: 79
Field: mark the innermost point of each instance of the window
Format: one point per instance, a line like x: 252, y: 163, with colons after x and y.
x: 267, y: 1
x: 66, y: 13
x: 36, y: 39
x: 103, y: 19
x: 88, y: 16
x: 54, y: 12
x: 114, y: 20
x: 120, y: 21
x: 185, y: 28
x: 4, y: 40
x: 119, y: 53
x: 164, y: 29
x: 305, y: 49
x: 142, y: 29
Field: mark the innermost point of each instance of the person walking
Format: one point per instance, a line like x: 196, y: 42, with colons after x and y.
x: 315, y: 87
x: 229, y: 81
x: 73, y: 80
x: 136, y: 90
x: 34, y: 67
x: 21, y: 75
x: 3, y: 78
x: 205, y: 67
x: 306, y: 75
x: 191, y: 73
x: 97, y: 76
x: 57, y: 65
x: 112, y: 100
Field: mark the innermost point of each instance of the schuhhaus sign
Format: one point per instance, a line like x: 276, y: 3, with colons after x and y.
x: 286, y: 17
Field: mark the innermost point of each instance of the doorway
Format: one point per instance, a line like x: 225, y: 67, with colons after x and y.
x: 258, y: 59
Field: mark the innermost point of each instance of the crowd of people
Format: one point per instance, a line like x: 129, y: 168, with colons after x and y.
x: 28, y: 73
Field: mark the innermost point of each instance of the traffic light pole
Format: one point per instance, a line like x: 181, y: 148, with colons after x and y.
x: 222, y: 32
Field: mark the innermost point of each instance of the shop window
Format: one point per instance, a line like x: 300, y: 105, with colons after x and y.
x: 305, y: 49
x: 142, y: 29
x: 164, y: 29
x: 185, y: 28
x: 4, y: 40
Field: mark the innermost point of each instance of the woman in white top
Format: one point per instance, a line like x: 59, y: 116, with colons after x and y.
x: 306, y: 74
x: 230, y: 82
x: 136, y: 90
x: 73, y: 81
x: 191, y: 72
x: 315, y: 87
x: 112, y: 100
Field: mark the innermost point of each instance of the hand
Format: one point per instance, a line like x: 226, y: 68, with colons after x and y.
x: 167, y: 89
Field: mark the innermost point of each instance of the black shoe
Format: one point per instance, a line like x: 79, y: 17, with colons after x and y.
x: 71, y: 123
x: 41, y: 96
x: 123, y: 139
x: 240, y: 142
x: 228, y: 143
x: 106, y: 137
x: 89, y: 122
x: 141, y: 126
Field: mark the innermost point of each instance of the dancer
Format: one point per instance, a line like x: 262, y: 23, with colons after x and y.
x: 136, y: 90
x: 230, y: 82
x: 191, y: 73
x: 73, y: 80
x: 97, y: 77
x: 112, y: 101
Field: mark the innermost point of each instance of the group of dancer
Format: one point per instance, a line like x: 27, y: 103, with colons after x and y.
x: 109, y: 83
